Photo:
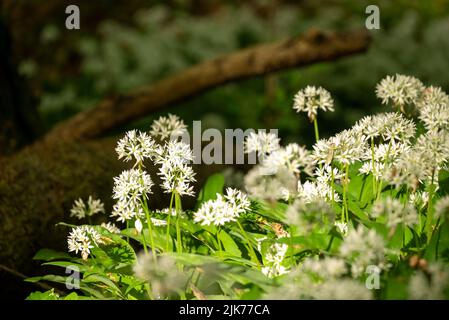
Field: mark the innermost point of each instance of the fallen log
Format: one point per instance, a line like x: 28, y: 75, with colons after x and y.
x: 313, y: 46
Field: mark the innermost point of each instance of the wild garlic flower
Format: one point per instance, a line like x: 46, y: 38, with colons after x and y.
x: 326, y: 174
x: 436, y: 145
x: 434, y: 96
x: 176, y: 177
x: 112, y: 228
x: 311, y: 99
x: 138, y: 146
x: 363, y: 247
x: 293, y: 157
x: 273, y: 260
x: 165, y: 276
x: 442, y: 208
x: 431, y: 284
x: 81, y: 210
x: 224, y: 209
x: 311, y: 191
x: 281, y: 185
x: 411, y: 169
x: 346, y: 147
x: 158, y: 222
x: 131, y: 185
x: 341, y: 289
x: 391, y: 126
x: 342, y: 227
x: 125, y: 210
x: 435, y: 117
x: 419, y: 199
x: 82, y: 239
x: 166, y: 211
x: 401, y: 90
x: 261, y: 142
x: 394, y: 212
x: 306, y: 216
x: 367, y: 168
x: 175, y: 172
x: 325, y: 269
x: 170, y: 127
x: 175, y: 152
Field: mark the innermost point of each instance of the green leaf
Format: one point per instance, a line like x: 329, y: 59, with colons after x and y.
x: 48, y: 255
x: 47, y: 295
x: 229, y: 244
x: 72, y: 296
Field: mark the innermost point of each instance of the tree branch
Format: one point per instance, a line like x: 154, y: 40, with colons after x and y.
x: 313, y: 46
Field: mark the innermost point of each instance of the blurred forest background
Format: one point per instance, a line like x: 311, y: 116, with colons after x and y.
x: 54, y: 73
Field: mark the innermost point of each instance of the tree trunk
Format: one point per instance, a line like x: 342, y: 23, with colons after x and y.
x: 18, y: 116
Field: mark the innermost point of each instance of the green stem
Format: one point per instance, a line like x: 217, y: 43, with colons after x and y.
x: 379, y: 189
x: 144, y: 242
x: 178, y: 230
x: 429, y: 218
x: 150, y: 228
x: 374, y: 166
x: 220, y: 250
x: 344, y: 208
x: 332, y: 185
x: 315, y: 126
x: 250, y: 247
x: 168, y: 239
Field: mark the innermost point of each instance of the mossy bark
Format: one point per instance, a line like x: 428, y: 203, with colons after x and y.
x: 37, y: 188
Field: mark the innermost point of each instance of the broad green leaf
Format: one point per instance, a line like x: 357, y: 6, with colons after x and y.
x: 48, y: 255
x: 229, y: 244
x: 47, y: 295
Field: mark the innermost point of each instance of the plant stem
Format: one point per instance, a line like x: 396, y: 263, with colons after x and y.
x: 178, y: 230
x: 250, y: 247
x: 315, y: 126
x: 220, y: 250
x: 379, y: 189
x: 169, y: 220
x: 344, y: 208
x: 332, y: 184
x: 144, y: 242
x: 429, y: 218
x: 150, y: 228
x: 374, y: 166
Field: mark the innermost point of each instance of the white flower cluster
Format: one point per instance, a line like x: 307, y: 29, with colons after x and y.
x: 273, y: 260
x: 394, y: 212
x: 175, y: 172
x: 261, y: 142
x: 133, y: 186
x: 431, y: 284
x: 81, y: 210
x: 138, y: 146
x: 276, y: 177
x: 306, y: 216
x: 129, y: 188
x: 326, y: 268
x: 442, y: 208
x: 401, y: 90
x: 81, y: 239
x: 224, y: 209
x: 311, y: 99
x: 112, y: 228
x: 363, y: 247
x: 170, y: 127
x: 163, y: 273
